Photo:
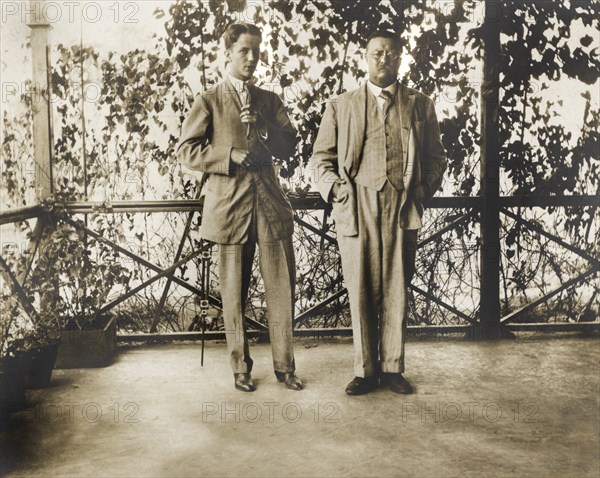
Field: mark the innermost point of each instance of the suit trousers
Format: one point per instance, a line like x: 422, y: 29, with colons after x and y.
x: 277, y: 268
x: 378, y: 265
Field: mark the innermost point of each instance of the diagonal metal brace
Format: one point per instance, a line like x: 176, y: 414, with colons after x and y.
x: 164, y: 273
x: 18, y: 290
x: 319, y: 232
x: 165, y: 293
x: 314, y: 310
x: 440, y: 302
x: 570, y: 283
x: 140, y: 260
x: 581, y: 253
x: 445, y: 229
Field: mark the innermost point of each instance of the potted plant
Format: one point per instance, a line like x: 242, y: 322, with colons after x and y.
x: 27, y: 350
x: 27, y: 356
x: 72, y: 280
x: 34, y: 354
x: 13, y: 363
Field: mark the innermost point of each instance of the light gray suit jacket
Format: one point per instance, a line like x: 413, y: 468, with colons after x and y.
x: 212, y: 128
x: 338, y: 149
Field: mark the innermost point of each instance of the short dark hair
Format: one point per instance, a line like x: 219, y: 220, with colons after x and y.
x: 235, y: 30
x: 385, y: 34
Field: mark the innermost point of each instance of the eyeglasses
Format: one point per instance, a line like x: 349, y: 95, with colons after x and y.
x: 378, y: 55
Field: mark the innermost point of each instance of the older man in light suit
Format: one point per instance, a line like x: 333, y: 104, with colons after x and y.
x: 232, y: 133
x: 378, y: 155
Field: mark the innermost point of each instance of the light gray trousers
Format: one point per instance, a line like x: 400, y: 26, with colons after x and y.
x: 378, y: 264
x: 277, y: 268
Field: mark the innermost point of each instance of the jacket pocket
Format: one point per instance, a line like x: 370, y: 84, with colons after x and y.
x: 220, y: 184
x: 344, y: 211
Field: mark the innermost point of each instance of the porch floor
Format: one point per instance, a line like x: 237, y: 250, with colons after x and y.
x: 529, y: 407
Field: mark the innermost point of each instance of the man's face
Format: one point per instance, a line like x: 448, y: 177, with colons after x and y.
x: 243, y: 56
x: 383, y: 61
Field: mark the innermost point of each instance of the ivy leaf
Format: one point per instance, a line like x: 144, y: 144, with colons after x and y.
x: 586, y: 40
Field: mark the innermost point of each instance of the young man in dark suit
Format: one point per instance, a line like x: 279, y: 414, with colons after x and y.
x: 232, y: 133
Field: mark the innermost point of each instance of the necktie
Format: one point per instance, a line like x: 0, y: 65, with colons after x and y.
x: 245, y: 100
x: 387, y: 100
x: 245, y: 94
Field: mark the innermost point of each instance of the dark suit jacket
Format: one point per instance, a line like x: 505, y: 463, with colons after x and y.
x: 338, y: 148
x: 212, y: 128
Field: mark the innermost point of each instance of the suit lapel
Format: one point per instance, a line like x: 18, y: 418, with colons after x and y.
x: 358, y: 117
x: 256, y: 98
x: 231, y: 93
x: 407, y: 105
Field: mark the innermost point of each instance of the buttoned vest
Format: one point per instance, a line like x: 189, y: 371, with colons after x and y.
x: 381, y: 158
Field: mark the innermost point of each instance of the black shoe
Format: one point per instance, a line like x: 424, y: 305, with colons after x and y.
x: 360, y: 385
x: 291, y: 381
x: 243, y: 382
x: 399, y: 384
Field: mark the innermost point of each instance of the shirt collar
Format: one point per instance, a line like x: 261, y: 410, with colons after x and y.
x: 376, y: 90
x: 238, y: 85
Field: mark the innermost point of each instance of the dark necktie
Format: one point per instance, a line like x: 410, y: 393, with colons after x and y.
x: 387, y: 100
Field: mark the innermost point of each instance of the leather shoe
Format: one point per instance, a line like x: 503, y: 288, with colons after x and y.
x: 291, y: 381
x: 360, y: 385
x: 399, y: 384
x: 243, y: 382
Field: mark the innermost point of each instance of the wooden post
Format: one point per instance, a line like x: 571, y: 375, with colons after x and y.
x: 42, y: 120
x: 490, y: 254
x: 40, y: 33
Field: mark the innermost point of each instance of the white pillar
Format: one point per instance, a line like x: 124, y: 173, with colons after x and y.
x: 40, y: 51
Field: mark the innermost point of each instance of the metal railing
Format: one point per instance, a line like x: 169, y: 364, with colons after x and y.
x: 311, y: 202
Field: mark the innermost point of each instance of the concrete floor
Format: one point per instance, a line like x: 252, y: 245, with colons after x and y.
x: 523, y: 408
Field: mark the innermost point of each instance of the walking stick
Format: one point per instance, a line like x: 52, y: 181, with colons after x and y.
x: 205, y: 270
x: 204, y: 301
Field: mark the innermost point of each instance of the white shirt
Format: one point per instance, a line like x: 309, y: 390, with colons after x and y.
x: 376, y: 90
x: 238, y: 86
